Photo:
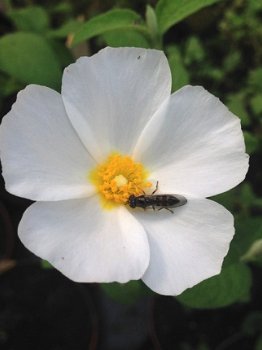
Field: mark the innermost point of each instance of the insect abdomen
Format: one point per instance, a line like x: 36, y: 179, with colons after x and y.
x: 168, y: 200
x: 159, y: 201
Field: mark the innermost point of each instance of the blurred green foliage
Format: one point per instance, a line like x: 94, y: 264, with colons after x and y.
x: 208, y: 42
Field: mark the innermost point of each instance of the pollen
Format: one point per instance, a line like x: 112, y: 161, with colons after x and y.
x: 118, y: 178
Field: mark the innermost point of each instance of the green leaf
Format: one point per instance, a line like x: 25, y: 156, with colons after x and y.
x: 9, y: 85
x: 249, y: 199
x: 255, y: 79
x: 194, y: 51
x: 227, y: 199
x: 170, y: 12
x: 237, y: 106
x: 152, y: 25
x: 215, y: 73
x: 31, y: 18
x: 151, y: 20
x: 69, y: 27
x: 247, y: 194
x: 125, y: 38
x: 63, y: 54
x: 117, y: 19
x: 247, y: 232
x: 254, y: 253
x: 232, y: 60
x: 180, y: 76
x: 127, y: 293
x: 233, y: 256
x: 46, y: 265
x: 251, y: 142
x: 61, y: 8
x: 256, y: 105
x: 30, y: 59
x: 232, y: 285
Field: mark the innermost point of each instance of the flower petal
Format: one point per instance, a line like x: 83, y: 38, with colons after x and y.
x: 85, y: 243
x: 186, y: 247
x: 110, y: 96
x: 42, y: 157
x: 194, y: 145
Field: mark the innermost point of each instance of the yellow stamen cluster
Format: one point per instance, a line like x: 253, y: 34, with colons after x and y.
x: 119, y: 177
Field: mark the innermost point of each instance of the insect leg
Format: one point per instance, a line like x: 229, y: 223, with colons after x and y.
x: 155, y: 188
x: 171, y: 211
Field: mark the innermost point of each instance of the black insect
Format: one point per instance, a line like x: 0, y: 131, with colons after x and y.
x: 156, y: 201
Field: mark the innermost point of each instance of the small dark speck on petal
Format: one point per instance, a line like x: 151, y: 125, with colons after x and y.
x: 138, y: 57
x: 62, y: 258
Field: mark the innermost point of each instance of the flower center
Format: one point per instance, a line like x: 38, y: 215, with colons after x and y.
x: 118, y: 178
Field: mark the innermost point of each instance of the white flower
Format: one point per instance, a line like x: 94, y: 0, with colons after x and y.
x: 112, y: 132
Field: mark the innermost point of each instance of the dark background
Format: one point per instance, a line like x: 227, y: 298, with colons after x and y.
x: 41, y: 309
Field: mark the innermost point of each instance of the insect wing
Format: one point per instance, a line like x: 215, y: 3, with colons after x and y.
x: 173, y: 200
x: 177, y: 200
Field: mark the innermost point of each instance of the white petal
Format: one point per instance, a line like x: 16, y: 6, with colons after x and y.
x: 42, y: 157
x: 194, y: 145
x: 186, y: 247
x: 110, y: 96
x: 84, y: 242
